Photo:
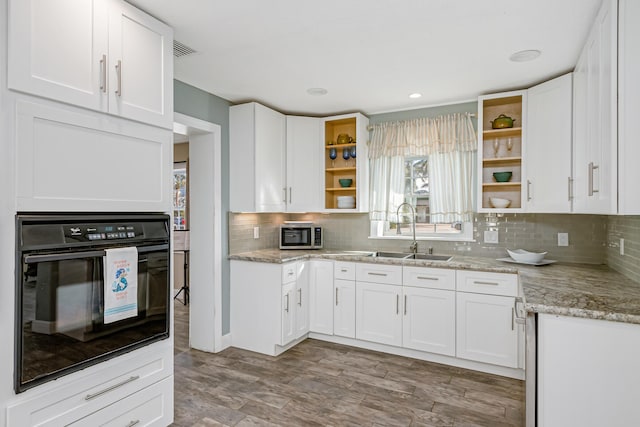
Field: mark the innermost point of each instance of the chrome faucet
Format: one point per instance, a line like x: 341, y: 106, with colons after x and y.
x: 414, y: 244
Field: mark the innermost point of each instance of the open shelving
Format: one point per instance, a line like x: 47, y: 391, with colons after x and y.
x: 343, y: 168
x: 501, y: 150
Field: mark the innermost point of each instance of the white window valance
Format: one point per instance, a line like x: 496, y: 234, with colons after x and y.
x: 424, y: 136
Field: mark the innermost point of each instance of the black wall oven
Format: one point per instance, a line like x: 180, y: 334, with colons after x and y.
x: 77, y: 304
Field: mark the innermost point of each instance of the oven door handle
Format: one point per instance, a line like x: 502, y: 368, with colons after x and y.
x: 32, y: 259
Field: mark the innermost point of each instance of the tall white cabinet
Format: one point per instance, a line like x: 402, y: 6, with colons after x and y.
x: 104, y: 55
x: 304, y: 171
x: 549, y: 133
x: 595, y: 117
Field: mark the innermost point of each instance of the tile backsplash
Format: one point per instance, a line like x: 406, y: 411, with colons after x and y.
x: 588, y: 236
x: 627, y: 228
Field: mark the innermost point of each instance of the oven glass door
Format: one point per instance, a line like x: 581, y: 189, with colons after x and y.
x: 62, y: 313
x: 297, y: 237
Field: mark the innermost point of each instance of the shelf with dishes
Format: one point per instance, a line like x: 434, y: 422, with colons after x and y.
x: 341, y: 163
x: 500, y: 151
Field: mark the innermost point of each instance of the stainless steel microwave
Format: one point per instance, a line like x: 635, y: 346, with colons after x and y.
x: 300, y: 235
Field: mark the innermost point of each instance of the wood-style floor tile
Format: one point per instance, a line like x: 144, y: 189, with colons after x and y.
x: 323, y: 384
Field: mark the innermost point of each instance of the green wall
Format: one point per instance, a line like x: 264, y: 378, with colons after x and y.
x: 202, y: 105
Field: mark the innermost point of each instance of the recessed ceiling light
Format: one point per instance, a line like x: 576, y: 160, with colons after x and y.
x: 317, y: 91
x: 415, y: 95
x: 525, y: 55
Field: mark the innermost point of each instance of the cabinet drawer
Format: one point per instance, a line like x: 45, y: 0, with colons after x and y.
x: 434, y: 278
x: 345, y: 270
x: 482, y: 282
x: 152, y: 406
x: 289, y: 272
x: 379, y: 273
x: 89, y: 393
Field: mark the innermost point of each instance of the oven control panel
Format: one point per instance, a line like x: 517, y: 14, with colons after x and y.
x: 83, y: 232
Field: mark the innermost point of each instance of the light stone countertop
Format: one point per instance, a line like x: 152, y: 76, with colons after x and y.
x: 577, y: 290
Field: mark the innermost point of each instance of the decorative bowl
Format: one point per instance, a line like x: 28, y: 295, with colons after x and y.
x: 502, y: 176
x: 497, y: 202
x: 345, y: 182
x: 521, y: 255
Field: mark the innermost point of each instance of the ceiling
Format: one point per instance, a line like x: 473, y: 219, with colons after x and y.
x: 370, y: 55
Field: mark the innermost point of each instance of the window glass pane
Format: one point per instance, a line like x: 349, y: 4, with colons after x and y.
x: 180, y: 196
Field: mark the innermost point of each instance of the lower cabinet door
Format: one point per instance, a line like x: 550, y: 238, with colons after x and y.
x: 321, y: 296
x: 429, y: 320
x: 344, y: 309
x: 486, y: 329
x: 152, y: 406
x: 287, y: 315
x: 301, y: 299
x: 378, y: 313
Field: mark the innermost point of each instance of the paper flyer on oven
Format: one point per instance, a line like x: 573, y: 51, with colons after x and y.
x: 120, y: 284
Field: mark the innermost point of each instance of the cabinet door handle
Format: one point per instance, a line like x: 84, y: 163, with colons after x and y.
x: 513, y: 318
x: 103, y: 74
x: 475, y: 282
x: 427, y: 278
x: 376, y: 274
x: 289, y: 194
x: 286, y: 306
x: 133, y: 423
x: 284, y: 189
x: 300, y: 297
x: 405, y: 305
x: 336, y: 296
x: 113, y: 387
x: 592, y: 168
x: 397, y: 304
x: 570, y: 189
x: 119, y: 76
x: 528, y: 190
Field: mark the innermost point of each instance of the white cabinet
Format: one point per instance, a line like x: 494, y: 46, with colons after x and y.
x: 378, y: 305
x: 486, y: 329
x: 269, y: 305
x: 628, y: 107
x: 378, y: 317
x: 71, y: 159
x: 257, y: 159
x: 429, y: 310
x: 138, y: 385
x: 103, y: 55
x: 304, y: 172
x: 152, y: 406
x: 595, y: 117
x: 321, y: 300
x: 344, y: 311
x: 588, y: 372
x: 288, y: 316
x: 549, y: 131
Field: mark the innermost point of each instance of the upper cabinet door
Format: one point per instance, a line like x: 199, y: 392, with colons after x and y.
x: 304, y: 172
x: 595, y: 128
x: 58, y: 50
x: 104, y: 55
x: 141, y: 66
x: 549, y: 119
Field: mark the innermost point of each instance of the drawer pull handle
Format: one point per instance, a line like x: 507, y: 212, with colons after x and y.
x: 427, y: 278
x: 344, y: 270
x: 113, y: 387
x: 133, y: 423
x: 377, y: 274
x: 486, y: 283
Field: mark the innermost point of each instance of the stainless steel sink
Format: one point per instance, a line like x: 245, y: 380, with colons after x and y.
x: 432, y: 257
x: 397, y: 255
x: 405, y: 255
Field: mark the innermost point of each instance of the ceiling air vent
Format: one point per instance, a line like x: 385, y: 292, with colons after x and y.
x: 180, y: 50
